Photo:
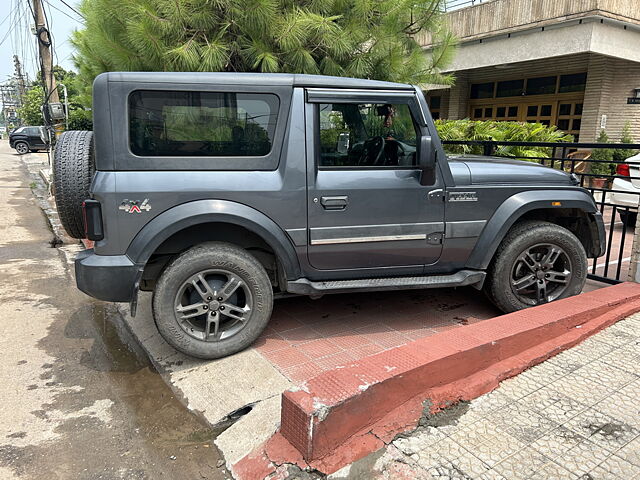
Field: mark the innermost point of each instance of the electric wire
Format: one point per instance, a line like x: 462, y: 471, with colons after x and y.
x: 13, y: 26
x: 63, y: 12
x: 76, y: 11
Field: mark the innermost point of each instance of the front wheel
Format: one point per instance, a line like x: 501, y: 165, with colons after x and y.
x: 213, y: 300
x: 537, y: 262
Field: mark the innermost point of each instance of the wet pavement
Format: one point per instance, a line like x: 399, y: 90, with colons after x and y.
x: 80, y: 399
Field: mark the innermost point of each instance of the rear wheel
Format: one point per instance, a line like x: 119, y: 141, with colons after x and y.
x: 21, y: 148
x: 213, y: 300
x: 536, y: 263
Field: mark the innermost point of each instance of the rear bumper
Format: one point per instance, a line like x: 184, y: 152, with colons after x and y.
x: 620, y: 197
x: 112, y: 278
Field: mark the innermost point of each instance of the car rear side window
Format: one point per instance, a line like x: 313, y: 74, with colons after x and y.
x: 203, y: 124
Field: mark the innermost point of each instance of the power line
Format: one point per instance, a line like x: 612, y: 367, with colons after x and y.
x: 63, y: 12
x: 14, y: 26
x: 77, y: 12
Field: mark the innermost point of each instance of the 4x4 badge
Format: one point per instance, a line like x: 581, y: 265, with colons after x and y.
x: 135, y: 206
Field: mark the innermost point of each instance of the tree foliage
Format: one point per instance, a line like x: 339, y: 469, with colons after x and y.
x: 358, y: 38
x: 79, y: 117
x: 500, y: 132
x: 31, y: 111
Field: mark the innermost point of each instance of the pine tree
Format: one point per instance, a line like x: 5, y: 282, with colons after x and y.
x: 358, y: 38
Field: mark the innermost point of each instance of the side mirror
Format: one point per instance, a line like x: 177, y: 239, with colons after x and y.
x: 427, y: 160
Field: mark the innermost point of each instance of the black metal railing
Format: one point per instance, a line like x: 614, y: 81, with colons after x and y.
x: 617, y: 198
x: 458, y: 4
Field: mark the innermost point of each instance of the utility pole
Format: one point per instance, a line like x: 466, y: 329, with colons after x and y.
x: 19, y: 78
x: 54, y: 114
x: 46, y: 57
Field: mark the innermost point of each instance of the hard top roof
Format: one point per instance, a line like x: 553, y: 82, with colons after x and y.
x: 233, y: 78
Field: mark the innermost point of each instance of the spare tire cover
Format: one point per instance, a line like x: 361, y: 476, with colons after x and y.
x: 73, y: 169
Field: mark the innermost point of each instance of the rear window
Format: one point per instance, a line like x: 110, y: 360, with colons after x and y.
x: 203, y: 124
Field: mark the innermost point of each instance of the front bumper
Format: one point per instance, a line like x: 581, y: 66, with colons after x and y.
x: 112, y: 278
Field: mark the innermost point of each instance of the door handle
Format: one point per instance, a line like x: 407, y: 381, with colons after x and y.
x: 334, y: 203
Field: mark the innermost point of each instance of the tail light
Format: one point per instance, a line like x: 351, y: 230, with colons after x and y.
x: 92, y: 216
x: 623, y: 169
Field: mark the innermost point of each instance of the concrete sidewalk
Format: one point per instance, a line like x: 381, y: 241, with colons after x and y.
x: 574, y: 416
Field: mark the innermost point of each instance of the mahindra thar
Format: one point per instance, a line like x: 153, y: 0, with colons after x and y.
x: 222, y: 191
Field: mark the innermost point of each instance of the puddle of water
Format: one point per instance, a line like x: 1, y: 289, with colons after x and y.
x: 157, y: 417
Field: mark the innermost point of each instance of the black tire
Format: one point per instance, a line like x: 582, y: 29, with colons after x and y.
x: 508, y: 266
x: 21, y: 147
x: 186, y: 335
x: 628, y: 218
x: 73, y: 169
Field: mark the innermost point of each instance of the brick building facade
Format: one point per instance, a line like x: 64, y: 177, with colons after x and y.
x: 574, y: 64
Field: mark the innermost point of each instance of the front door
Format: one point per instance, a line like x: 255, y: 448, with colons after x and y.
x: 366, y: 206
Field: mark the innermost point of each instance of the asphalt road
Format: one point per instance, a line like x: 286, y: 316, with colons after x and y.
x: 79, y: 399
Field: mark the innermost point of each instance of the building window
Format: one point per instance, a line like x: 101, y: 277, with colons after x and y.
x: 510, y: 88
x: 482, y: 90
x: 570, y: 118
x: 542, y: 85
x: 573, y: 83
x: 434, y: 106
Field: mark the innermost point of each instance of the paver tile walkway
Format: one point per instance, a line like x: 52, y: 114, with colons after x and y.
x: 306, y: 337
x: 575, y: 416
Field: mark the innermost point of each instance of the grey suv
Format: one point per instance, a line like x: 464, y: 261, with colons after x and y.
x: 222, y: 191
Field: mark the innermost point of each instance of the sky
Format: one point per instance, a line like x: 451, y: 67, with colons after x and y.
x: 16, y: 36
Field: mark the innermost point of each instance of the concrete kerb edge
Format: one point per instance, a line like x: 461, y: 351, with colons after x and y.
x: 602, y: 310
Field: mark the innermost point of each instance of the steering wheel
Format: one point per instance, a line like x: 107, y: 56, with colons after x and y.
x: 374, y: 144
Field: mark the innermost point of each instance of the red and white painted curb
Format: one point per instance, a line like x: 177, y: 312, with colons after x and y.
x: 344, y: 414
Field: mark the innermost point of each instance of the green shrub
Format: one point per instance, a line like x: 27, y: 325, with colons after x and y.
x: 501, y: 132
x: 80, y: 120
x: 621, y: 154
x: 604, y: 157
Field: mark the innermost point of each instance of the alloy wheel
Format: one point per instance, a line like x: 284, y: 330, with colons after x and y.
x: 213, y: 305
x: 541, y: 274
x: 22, y: 148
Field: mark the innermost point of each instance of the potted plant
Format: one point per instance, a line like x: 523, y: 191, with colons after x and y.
x: 601, y: 162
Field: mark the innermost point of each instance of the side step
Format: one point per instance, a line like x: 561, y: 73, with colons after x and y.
x: 462, y: 278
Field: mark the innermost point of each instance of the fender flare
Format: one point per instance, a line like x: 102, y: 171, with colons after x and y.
x: 513, y: 208
x: 206, y: 211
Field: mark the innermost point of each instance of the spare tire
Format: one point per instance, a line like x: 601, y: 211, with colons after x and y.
x: 73, y: 169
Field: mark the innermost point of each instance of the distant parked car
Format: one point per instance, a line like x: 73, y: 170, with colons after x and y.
x: 29, y: 139
x: 626, y: 191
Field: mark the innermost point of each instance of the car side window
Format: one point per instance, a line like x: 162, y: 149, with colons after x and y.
x: 367, y: 135
x: 190, y: 123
